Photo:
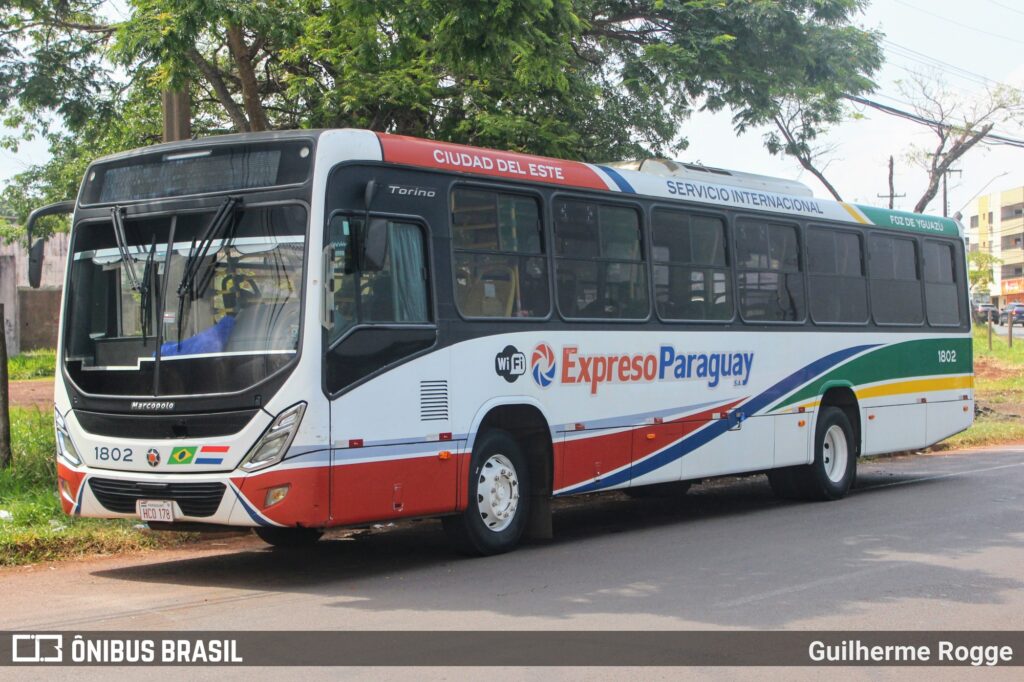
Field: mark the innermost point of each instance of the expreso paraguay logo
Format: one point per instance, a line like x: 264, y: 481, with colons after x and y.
x: 669, y: 364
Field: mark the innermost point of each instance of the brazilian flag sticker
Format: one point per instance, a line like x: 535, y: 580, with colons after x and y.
x: 182, y: 455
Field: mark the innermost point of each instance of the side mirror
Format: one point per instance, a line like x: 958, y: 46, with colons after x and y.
x: 375, y: 245
x: 35, y: 250
x: 35, y: 263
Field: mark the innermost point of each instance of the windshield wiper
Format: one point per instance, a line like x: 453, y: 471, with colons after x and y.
x: 200, y: 249
x: 197, y: 253
x: 117, y: 218
x: 149, y: 277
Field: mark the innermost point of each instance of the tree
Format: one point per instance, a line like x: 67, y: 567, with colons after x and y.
x: 981, y: 270
x: 959, y: 123
x: 584, y: 79
x: 797, y: 127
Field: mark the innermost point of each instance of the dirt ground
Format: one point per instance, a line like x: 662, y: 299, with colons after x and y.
x: 37, y: 392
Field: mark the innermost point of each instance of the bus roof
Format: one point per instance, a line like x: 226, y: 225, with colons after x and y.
x: 667, y: 179
x: 737, y: 192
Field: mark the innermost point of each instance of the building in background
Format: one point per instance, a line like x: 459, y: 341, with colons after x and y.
x: 995, y: 225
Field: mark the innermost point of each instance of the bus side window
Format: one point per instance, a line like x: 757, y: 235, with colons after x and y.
x: 768, y: 271
x: 835, y: 267
x: 396, y: 293
x: 691, y: 276
x: 941, y: 293
x: 599, y: 265
x: 895, y: 281
x: 500, y: 269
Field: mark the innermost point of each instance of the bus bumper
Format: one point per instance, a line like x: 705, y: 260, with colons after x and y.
x: 289, y: 497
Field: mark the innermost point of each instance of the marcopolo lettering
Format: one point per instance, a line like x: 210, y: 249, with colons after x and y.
x: 667, y: 365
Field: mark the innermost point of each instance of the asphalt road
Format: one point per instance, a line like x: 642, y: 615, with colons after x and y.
x: 924, y: 542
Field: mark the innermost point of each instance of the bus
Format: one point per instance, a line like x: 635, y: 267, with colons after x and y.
x: 293, y: 331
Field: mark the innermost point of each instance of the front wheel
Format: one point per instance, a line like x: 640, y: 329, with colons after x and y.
x: 288, y: 537
x: 830, y: 476
x: 499, y: 498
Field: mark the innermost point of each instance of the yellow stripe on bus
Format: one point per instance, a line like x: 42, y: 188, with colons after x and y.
x: 854, y: 212
x: 916, y: 386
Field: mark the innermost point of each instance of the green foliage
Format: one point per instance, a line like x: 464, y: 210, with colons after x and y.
x: 583, y: 79
x: 38, y: 530
x: 35, y: 364
x: 981, y: 270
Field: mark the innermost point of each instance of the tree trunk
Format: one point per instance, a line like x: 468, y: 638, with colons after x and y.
x: 177, y: 114
x: 5, y: 415
x: 246, y: 74
x: 220, y: 88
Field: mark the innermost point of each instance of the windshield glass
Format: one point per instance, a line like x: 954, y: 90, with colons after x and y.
x: 237, y: 321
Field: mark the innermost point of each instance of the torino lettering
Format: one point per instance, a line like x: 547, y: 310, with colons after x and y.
x: 667, y: 365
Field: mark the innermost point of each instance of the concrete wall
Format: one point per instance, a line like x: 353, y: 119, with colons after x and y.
x: 31, y: 315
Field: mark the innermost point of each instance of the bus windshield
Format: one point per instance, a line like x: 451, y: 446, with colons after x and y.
x: 165, y: 305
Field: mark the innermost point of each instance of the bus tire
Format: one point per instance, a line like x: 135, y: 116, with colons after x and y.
x: 288, y: 537
x: 830, y: 476
x: 783, y: 483
x: 499, y: 499
x: 659, y: 490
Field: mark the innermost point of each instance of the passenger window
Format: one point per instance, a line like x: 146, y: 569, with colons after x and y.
x: 599, y: 267
x: 770, y: 282
x: 941, y: 293
x: 691, y: 279
x: 838, y: 289
x: 500, y: 269
x: 895, y: 284
x: 397, y: 293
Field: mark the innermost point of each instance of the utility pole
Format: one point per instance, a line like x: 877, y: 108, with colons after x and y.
x: 5, y: 414
x: 945, y: 200
x: 892, y: 189
x: 177, y: 114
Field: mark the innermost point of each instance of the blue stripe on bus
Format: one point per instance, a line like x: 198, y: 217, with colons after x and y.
x: 718, y: 427
x: 618, y: 180
x: 249, y: 510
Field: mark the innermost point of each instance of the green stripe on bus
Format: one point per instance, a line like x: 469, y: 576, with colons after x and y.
x: 920, y: 358
x: 911, y: 222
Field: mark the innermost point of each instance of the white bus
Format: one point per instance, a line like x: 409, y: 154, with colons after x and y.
x: 300, y: 330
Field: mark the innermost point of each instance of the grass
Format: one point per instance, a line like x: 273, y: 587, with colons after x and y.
x: 35, y: 364
x: 37, y: 529
x: 999, y: 392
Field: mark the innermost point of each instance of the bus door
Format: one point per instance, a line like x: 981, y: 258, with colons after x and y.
x: 390, y: 427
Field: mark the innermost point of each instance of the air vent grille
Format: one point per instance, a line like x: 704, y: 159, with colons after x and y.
x: 434, y: 400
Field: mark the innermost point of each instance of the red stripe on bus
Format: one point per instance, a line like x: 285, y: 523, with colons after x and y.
x: 578, y: 460
x: 462, y: 158
x: 215, y: 448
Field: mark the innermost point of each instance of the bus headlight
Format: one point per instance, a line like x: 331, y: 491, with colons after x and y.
x: 276, y: 440
x: 65, y: 446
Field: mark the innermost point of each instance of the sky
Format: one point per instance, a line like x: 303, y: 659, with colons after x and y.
x: 975, y: 42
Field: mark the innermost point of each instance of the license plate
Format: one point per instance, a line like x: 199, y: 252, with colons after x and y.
x: 156, y: 510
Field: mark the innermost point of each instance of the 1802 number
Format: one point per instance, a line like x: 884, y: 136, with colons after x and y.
x: 947, y: 357
x: 114, y: 454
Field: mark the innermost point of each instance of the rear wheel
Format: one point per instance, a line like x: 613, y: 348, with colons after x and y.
x: 499, y: 498
x: 288, y: 537
x: 830, y: 476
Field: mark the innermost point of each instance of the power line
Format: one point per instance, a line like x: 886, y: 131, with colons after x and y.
x: 1006, y: 7
x: 992, y: 138
x: 934, y: 62
x: 960, y: 24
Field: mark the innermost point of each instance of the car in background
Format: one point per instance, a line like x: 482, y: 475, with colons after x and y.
x: 1012, y: 313
x: 983, y: 311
